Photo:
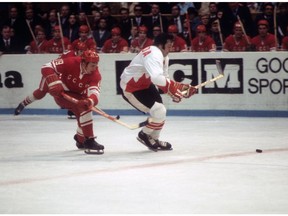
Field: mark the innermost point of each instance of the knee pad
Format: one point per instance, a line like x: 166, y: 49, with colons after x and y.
x: 158, y: 112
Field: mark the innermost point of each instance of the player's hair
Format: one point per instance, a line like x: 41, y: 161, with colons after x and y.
x: 162, y: 39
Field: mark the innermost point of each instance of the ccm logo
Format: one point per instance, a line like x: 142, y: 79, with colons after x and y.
x: 231, y: 83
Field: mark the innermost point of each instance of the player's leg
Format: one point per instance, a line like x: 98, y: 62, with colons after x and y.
x: 38, y: 94
x: 85, y: 135
x: 150, y: 101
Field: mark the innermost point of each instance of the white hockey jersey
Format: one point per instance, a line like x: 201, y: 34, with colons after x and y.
x: 149, y: 66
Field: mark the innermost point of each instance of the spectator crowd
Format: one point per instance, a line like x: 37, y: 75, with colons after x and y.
x: 130, y: 27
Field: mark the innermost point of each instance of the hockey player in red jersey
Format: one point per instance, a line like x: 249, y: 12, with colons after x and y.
x: 80, y: 79
x: 237, y: 42
x: 202, y: 42
x: 141, y: 41
x: 55, y: 44
x: 179, y: 44
x: 83, y: 38
x: 116, y: 44
x: 42, y: 90
x: 264, y: 41
x: 140, y: 81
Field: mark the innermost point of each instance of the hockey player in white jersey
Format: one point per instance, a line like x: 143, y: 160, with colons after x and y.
x: 140, y: 81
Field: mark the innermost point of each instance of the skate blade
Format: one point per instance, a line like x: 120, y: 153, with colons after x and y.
x: 89, y: 151
x: 159, y: 149
x: 141, y: 141
x: 71, y: 117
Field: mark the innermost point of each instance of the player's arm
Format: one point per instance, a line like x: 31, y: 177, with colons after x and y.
x: 172, y: 88
x: 50, y: 72
x: 92, y: 93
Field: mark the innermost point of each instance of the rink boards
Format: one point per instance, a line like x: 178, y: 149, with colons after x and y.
x: 255, y: 83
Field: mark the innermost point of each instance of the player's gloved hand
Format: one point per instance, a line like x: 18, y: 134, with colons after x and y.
x: 55, y: 86
x: 188, y: 91
x: 85, y: 104
x: 174, y: 90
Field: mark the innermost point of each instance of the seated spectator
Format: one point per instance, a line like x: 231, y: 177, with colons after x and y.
x: 55, y: 44
x: 38, y: 46
x: 28, y: 24
x: 213, y: 9
x: 202, y: 42
x: 52, y: 22
x: 264, y: 41
x: 156, y: 31
x: 110, y: 20
x: 133, y: 35
x: 177, y: 19
x: 194, y: 21
x: 141, y: 41
x: 139, y: 19
x: 205, y: 20
x: 82, y: 20
x: 215, y: 33
x: 116, y: 44
x: 72, y: 29
x: 96, y: 20
x: 186, y: 35
x: 237, y: 42
x: 156, y: 19
x: 83, y: 37
x: 179, y: 44
x: 267, y: 14
x: 101, y: 34
x: 9, y: 44
x: 125, y: 23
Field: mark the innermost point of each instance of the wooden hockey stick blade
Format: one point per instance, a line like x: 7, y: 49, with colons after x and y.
x: 219, y: 67
x: 102, y: 113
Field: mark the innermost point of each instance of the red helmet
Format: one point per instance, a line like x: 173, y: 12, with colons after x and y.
x: 201, y: 28
x: 84, y: 28
x: 263, y: 22
x: 142, y: 29
x: 115, y: 31
x: 81, y: 46
x: 172, y: 29
x: 237, y: 25
x: 56, y: 28
x: 90, y: 56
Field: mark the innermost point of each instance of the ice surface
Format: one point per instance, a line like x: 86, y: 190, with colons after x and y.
x: 213, y: 168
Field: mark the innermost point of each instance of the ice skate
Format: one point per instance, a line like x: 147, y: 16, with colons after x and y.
x: 19, y: 109
x: 78, y: 144
x: 146, y: 140
x: 71, y: 115
x: 164, y: 146
x: 92, y: 147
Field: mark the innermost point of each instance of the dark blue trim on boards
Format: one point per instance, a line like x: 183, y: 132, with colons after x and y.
x: 239, y: 113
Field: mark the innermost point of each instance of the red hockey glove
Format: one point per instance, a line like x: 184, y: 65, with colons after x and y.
x: 85, y: 104
x: 175, y: 91
x: 54, y: 85
x: 189, y: 91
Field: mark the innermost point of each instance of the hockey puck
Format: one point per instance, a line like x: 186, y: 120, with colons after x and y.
x: 258, y: 150
x: 117, y: 117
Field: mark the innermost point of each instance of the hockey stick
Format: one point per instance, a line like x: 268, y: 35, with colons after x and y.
x: 33, y: 35
x: 61, y: 32
x: 244, y: 31
x: 102, y: 113
x: 221, y: 75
